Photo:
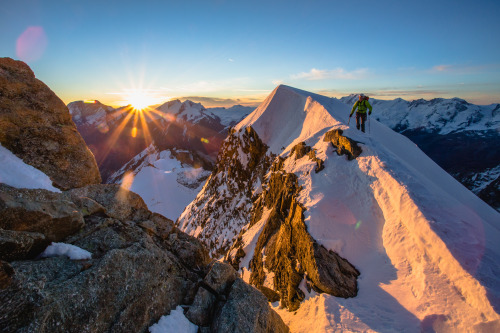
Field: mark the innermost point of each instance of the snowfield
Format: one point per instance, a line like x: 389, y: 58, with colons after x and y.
x: 427, y: 248
x: 164, y: 183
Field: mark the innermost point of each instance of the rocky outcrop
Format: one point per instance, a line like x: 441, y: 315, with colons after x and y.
x: 224, y: 205
x: 301, y: 149
x: 290, y: 253
x: 141, y: 268
x: 36, y: 126
x: 344, y: 145
x: 243, y: 185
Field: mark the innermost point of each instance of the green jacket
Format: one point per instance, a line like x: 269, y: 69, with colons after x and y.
x: 362, y: 106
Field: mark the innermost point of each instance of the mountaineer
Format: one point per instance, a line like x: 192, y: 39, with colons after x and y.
x: 362, y: 104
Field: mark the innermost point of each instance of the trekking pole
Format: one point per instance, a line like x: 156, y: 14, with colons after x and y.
x: 369, y: 127
x: 349, y: 121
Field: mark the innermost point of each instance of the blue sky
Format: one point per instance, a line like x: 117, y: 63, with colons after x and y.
x: 227, y: 52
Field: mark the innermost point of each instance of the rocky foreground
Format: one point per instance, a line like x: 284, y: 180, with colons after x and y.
x: 141, y: 266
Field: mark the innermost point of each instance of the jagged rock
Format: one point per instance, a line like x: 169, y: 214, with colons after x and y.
x: 202, y: 310
x: 141, y: 269
x: 247, y: 310
x: 300, y: 150
x: 270, y: 294
x: 320, y: 164
x: 36, y: 126
x: 290, y: 252
x: 328, y: 271
x: 17, y: 245
x: 343, y: 144
x: 39, y: 211
x: 6, y: 273
x: 241, y: 165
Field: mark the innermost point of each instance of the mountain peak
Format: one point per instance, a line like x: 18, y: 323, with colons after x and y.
x: 290, y: 115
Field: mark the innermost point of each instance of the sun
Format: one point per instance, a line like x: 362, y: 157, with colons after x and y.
x: 140, y: 100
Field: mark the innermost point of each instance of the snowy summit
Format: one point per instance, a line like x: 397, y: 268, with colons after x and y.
x: 426, y: 247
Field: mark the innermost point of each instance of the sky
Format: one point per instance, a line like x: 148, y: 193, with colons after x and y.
x: 222, y: 53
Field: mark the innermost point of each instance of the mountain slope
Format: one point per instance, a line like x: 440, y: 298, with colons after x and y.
x: 425, y: 247
x: 167, y: 180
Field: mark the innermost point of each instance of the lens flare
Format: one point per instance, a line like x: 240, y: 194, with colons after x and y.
x: 31, y: 45
x: 140, y: 100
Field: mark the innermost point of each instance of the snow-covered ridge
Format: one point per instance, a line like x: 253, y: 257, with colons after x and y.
x: 426, y: 247
x: 438, y: 115
x: 289, y: 115
x: 196, y: 112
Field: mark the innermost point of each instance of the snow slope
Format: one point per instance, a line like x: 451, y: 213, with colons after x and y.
x: 165, y: 184
x: 427, y: 248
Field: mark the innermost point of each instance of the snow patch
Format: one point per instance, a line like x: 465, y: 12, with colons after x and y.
x: 14, y: 172
x: 62, y: 249
x: 174, y: 322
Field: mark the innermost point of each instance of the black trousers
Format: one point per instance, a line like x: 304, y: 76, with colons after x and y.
x: 360, y: 120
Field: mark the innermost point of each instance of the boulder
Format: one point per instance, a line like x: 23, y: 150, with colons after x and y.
x: 247, y: 310
x: 36, y: 126
x: 215, y: 286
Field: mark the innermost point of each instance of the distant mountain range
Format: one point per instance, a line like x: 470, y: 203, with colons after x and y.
x: 460, y: 137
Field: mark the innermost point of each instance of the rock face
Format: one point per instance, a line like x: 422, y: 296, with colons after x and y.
x: 290, y: 253
x: 229, y: 192
x: 142, y: 267
x: 247, y: 191
x: 37, y: 127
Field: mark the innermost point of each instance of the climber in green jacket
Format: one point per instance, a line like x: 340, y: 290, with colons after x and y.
x: 362, y: 105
